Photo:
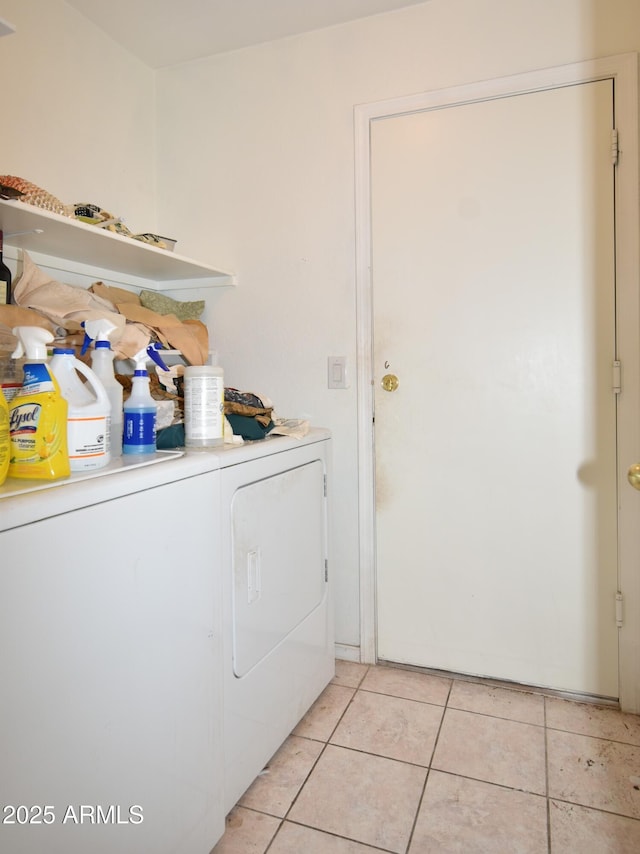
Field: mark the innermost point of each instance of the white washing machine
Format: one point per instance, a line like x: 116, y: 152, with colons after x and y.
x: 278, y: 639
x: 110, y: 660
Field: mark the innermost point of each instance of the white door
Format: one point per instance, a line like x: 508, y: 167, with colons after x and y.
x: 494, y: 305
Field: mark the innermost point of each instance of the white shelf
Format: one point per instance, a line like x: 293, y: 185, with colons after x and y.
x: 55, y: 236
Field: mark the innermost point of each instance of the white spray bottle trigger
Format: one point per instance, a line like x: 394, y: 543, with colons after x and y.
x: 96, y: 330
x: 140, y: 363
x: 150, y: 352
x: 32, y: 342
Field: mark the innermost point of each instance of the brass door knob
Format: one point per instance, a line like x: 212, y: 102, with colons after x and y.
x: 633, y: 476
x: 390, y: 382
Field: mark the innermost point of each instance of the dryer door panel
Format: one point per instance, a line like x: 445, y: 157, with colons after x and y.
x: 278, y: 552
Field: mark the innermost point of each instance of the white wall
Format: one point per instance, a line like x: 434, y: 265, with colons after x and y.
x: 78, y: 112
x: 251, y: 162
x: 259, y: 147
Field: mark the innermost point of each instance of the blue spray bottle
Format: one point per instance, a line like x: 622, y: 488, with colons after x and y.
x: 140, y: 409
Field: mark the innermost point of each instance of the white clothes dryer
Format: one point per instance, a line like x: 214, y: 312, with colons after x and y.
x: 278, y: 638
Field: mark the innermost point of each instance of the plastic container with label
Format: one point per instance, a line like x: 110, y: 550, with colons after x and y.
x: 140, y: 409
x: 102, y: 364
x: 203, y: 406
x: 38, y: 413
x: 89, y: 415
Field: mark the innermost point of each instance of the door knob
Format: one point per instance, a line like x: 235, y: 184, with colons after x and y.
x: 390, y: 382
x: 633, y: 476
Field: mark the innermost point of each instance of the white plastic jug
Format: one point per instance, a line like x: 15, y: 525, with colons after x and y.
x: 89, y: 417
x: 102, y: 366
x: 203, y: 406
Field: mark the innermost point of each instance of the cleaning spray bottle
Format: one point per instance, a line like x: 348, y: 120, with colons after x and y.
x: 100, y: 331
x: 38, y: 413
x: 89, y: 412
x: 140, y: 409
x: 5, y: 438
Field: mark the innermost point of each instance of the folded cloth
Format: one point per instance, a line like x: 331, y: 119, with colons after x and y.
x: 173, y: 437
x: 247, y: 398
x: 247, y: 427
x: 162, y: 304
x: 231, y: 438
x: 245, y: 403
x: 170, y: 437
x: 262, y: 415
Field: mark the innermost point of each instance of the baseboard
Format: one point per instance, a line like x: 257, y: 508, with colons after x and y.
x: 345, y: 652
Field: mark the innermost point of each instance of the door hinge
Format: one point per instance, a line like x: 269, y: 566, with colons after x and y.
x: 324, y: 484
x: 326, y: 569
x: 617, y: 377
x: 619, y: 609
x: 614, y: 147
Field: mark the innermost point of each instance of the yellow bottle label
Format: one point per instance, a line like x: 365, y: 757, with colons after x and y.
x: 5, y: 439
x: 38, y: 434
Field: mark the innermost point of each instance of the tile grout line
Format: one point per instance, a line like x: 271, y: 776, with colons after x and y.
x: 426, y: 779
x: 600, y: 810
x: 318, y: 830
x: 507, y: 685
x: 325, y: 743
x: 546, y: 773
x: 595, y: 737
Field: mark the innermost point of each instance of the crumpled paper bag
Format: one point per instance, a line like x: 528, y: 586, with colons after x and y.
x: 186, y: 334
x: 189, y: 336
x: 114, y: 295
x: 66, y: 306
x: 12, y: 316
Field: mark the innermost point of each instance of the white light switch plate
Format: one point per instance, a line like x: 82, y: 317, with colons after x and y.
x: 337, y: 372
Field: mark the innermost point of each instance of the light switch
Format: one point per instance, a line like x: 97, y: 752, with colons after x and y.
x: 337, y: 372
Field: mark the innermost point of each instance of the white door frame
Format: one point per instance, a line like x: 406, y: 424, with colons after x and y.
x: 624, y: 70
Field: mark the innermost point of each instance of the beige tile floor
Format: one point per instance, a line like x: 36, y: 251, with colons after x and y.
x: 397, y: 761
